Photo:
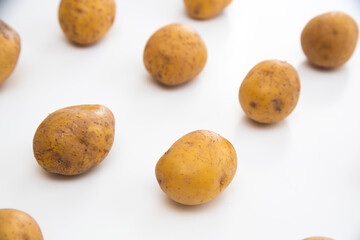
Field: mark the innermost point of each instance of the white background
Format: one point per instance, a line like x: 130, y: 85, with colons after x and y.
x: 295, y: 179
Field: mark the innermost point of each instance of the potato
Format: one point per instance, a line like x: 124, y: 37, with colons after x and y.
x: 204, y: 9
x: 75, y: 139
x: 329, y: 40
x: 318, y: 238
x: 175, y: 54
x: 197, y: 167
x: 17, y: 225
x: 86, y: 21
x: 270, y: 91
x: 9, y: 50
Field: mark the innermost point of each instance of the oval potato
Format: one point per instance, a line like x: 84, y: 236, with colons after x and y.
x: 205, y: 9
x: 318, y: 238
x: 72, y: 140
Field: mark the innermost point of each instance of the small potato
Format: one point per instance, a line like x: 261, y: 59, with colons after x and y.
x: 86, y: 21
x: 75, y: 139
x: 175, y: 54
x: 205, y: 9
x: 330, y: 39
x: 197, y: 167
x: 318, y: 238
x: 17, y: 225
x: 9, y: 50
x: 270, y: 91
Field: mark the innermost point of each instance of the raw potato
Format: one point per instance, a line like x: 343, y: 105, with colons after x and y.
x: 75, y: 139
x: 197, y: 167
x: 204, y: 9
x: 318, y: 238
x: 175, y: 54
x: 86, y: 21
x: 9, y: 50
x: 330, y: 39
x: 270, y: 91
x: 17, y: 225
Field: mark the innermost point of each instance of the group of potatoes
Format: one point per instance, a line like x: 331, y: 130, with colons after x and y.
x: 201, y: 164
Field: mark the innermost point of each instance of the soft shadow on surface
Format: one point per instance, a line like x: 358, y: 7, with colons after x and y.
x: 76, y: 45
x: 256, y: 125
x: 155, y: 83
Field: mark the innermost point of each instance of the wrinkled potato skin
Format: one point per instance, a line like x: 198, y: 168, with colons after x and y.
x: 86, y: 21
x: 197, y: 167
x: 270, y: 91
x: 205, y: 9
x: 175, y: 54
x: 17, y: 225
x: 75, y: 139
x: 330, y: 39
x: 318, y: 238
x: 10, y: 46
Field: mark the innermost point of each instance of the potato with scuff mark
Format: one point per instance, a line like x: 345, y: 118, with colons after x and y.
x: 270, y: 91
x: 175, y: 54
x: 10, y: 46
x: 86, y: 21
x: 15, y: 224
x: 72, y: 140
x: 197, y: 167
x: 329, y: 40
x: 318, y: 238
x: 205, y: 9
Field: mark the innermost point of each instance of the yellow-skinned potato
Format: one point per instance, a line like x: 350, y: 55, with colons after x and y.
x: 10, y: 46
x: 86, y: 21
x: 197, y: 167
x: 204, y: 9
x: 330, y: 39
x: 318, y: 238
x: 175, y: 54
x: 270, y: 91
x: 72, y: 140
x: 17, y: 225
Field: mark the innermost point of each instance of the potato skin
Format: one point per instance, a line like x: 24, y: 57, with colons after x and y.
x: 205, y: 9
x: 86, y: 21
x: 17, y: 225
x: 330, y: 39
x: 270, y: 91
x: 175, y: 54
x: 197, y: 167
x: 318, y: 238
x: 10, y: 46
x: 72, y: 140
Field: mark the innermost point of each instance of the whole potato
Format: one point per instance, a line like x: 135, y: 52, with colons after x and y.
x: 270, y: 91
x: 17, y: 225
x: 329, y: 40
x: 318, y: 238
x: 72, y: 140
x: 175, y: 54
x: 204, y: 9
x: 86, y: 21
x: 10, y: 46
x: 197, y: 167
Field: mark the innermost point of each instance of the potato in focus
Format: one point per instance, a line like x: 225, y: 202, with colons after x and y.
x: 197, y: 167
x: 15, y: 224
x: 175, y: 54
x: 270, y: 91
x: 318, y: 238
x: 205, y: 9
x: 86, y: 21
x: 72, y: 140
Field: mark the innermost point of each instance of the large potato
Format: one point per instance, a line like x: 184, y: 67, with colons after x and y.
x: 75, y: 139
x: 17, y: 225
x: 270, y: 91
x: 329, y: 40
x: 86, y: 21
x: 197, y: 167
x: 204, y: 9
x: 318, y: 238
x: 9, y: 50
x: 175, y: 54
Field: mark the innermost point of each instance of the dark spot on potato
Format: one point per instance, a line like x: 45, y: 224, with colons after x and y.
x: 253, y: 104
x: 79, y: 10
x: 277, y: 105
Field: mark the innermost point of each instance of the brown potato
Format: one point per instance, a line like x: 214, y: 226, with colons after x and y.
x: 17, y: 225
x: 86, y: 21
x: 329, y: 40
x: 10, y: 46
x: 318, y: 238
x: 204, y: 9
x: 270, y: 91
x: 75, y: 139
x: 175, y: 54
x: 197, y: 167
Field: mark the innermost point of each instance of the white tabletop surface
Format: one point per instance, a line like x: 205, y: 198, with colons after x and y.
x: 295, y: 179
